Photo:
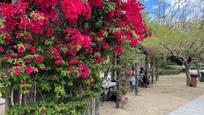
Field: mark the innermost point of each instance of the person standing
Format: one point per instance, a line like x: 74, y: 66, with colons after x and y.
x: 130, y: 72
x: 136, y: 83
x: 133, y: 82
x: 142, y: 75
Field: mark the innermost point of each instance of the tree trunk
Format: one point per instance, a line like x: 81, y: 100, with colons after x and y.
x: 156, y: 69
x: 146, y: 63
x: 188, y: 78
x: 152, y: 70
x: 113, y: 61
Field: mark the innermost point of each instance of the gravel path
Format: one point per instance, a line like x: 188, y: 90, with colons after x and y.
x: 167, y: 95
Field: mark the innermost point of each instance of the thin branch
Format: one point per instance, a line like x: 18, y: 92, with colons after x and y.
x: 12, y: 100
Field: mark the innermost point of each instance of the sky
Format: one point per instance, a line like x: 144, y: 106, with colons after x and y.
x: 150, y: 5
x: 188, y: 9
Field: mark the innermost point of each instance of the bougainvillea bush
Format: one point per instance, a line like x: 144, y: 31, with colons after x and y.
x: 51, y: 50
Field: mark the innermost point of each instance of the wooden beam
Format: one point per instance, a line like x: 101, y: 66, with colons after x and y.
x: 118, y: 83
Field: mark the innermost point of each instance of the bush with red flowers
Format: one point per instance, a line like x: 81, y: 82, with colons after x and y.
x: 51, y: 51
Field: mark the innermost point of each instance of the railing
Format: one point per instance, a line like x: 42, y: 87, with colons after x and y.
x: 94, y: 110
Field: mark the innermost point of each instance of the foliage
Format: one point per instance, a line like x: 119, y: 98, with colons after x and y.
x: 169, y: 71
x: 53, y: 50
x: 49, y: 108
x: 167, y: 40
x: 194, y: 66
x: 164, y: 63
x: 169, y: 68
x: 129, y: 57
x: 186, y: 42
x: 125, y: 85
x: 154, y: 43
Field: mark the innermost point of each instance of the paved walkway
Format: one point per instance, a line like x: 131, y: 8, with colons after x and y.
x: 169, y: 93
x: 195, y: 107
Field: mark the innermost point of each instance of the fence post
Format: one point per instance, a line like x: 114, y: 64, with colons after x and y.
x: 93, y: 100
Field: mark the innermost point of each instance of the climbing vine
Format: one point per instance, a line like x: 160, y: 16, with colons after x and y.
x: 51, y: 51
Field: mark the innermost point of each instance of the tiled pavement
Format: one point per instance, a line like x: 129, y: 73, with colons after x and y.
x: 195, y: 107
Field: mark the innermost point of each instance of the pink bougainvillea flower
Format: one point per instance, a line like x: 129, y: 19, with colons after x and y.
x: 96, y: 3
x: 39, y: 59
x: 25, y: 45
x: 134, y: 43
x: 12, y: 55
x: 73, y: 8
x: 1, y: 49
x: 71, y: 70
x: 74, y: 61
x: 59, y: 61
x: 111, y: 15
x: 20, y: 64
x: 28, y: 61
x: 85, y: 41
x: 50, y: 32
x: 9, y: 71
x: 106, y: 46
x: 99, y: 59
x: 29, y: 70
x: 54, y: 53
x: 33, y: 50
x: 118, y: 50
x: 21, y: 50
x: 17, y: 71
x: 84, y: 72
x: 8, y: 39
x: 21, y: 47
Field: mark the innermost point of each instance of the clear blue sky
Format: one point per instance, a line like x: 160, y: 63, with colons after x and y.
x: 149, y: 5
x: 152, y: 5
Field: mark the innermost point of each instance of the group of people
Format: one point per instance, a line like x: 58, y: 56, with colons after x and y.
x: 144, y: 77
x: 138, y: 78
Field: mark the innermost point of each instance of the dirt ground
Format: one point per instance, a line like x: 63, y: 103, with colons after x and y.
x: 167, y: 94
x: 1, y: 109
x: 161, y: 98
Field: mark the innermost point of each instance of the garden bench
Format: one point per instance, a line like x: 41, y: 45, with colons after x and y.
x: 108, y: 89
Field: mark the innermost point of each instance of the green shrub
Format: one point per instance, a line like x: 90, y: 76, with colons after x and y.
x: 193, y: 66
x: 49, y: 108
x: 170, y: 69
x: 164, y: 63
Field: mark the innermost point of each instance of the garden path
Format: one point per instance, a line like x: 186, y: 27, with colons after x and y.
x: 163, y: 97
